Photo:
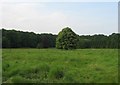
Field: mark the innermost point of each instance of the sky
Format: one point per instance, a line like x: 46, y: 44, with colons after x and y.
x: 84, y: 18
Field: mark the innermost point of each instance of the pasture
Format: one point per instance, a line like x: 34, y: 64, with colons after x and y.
x: 60, y: 66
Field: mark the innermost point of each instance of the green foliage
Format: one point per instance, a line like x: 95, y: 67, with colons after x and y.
x: 20, y: 39
x: 6, y: 43
x: 60, y: 66
x: 39, y: 45
x: 66, y: 39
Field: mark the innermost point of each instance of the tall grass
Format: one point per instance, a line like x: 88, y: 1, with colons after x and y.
x: 60, y: 66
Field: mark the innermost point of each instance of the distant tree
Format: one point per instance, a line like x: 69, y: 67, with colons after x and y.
x: 6, y: 42
x: 99, y: 41
x: 114, y: 40
x: 39, y: 45
x: 66, y: 39
x: 20, y: 39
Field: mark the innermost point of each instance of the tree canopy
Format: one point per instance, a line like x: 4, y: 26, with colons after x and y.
x: 20, y: 39
x: 66, y: 39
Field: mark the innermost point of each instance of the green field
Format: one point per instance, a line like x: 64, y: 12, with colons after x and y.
x: 60, y: 66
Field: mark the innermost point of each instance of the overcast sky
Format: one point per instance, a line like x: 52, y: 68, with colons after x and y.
x: 85, y: 18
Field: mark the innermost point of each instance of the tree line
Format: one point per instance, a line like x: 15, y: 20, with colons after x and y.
x: 20, y: 39
x: 100, y: 41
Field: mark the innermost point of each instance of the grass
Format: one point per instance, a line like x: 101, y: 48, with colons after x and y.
x: 60, y: 66
x: 0, y: 72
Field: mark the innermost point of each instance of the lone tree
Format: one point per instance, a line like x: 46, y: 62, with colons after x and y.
x: 66, y: 39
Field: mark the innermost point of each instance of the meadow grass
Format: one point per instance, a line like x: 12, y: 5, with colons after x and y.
x: 60, y: 66
x: 0, y: 66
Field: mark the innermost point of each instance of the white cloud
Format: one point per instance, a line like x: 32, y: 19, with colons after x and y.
x: 0, y: 15
x: 26, y: 17
x: 37, y: 17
